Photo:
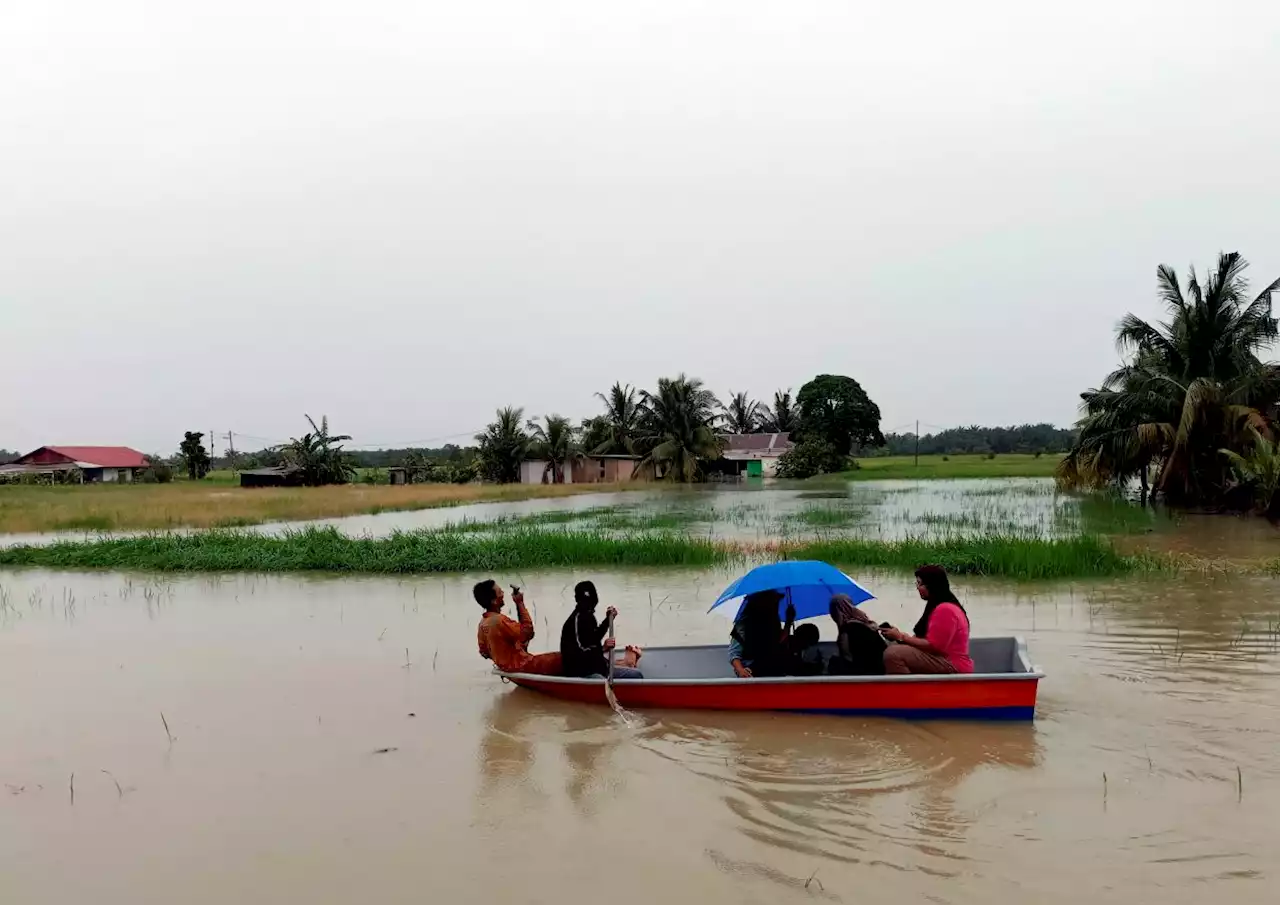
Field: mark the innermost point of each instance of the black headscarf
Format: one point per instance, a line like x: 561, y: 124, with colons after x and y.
x: 759, y: 629
x: 585, y: 596
x: 936, y: 585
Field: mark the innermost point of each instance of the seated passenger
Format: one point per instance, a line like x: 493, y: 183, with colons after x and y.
x: 504, y: 640
x: 758, y: 642
x: 859, y: 645
x: 583, y: 645
x: 940, y: 643
x: 806, y: 659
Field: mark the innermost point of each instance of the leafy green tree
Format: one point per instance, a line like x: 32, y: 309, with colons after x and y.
x: 1191, y: 387
x: 677, y: 427
x: 194, y: 456
x: 556, y: 443
x: 503, y: 446
x: 781, y: 418
x: 837, y: 411
x: 1259, y: 469
x: 741, y: 415
x: 319, y: 455
x: 619, y: 424
x: 809, y: 458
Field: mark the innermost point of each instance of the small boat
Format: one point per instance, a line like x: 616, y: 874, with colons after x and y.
x: 1002, y: 687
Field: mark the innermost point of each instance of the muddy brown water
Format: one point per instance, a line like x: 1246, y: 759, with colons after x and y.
x: 280, y: 693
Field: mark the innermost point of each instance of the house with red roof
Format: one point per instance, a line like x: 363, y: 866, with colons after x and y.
x: 106, y: 464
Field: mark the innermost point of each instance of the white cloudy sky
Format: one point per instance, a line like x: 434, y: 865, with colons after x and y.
x: 405, y: 214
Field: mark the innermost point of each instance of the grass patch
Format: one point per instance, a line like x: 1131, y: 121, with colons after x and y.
x: 829, y: 516
x: 95, y: 522
x: 209, y: 504
x: 999, y: 556
x: 328, y: 550
x: 895, y: 468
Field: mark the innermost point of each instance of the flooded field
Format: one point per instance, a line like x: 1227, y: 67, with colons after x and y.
x: 887, y: 510
x: 337, y: 740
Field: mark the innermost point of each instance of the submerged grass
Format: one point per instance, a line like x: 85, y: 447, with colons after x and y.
x: 326, y: 549
x: 1009, y: 556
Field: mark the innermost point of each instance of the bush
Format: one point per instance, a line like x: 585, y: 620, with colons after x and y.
x: 375, y: 476
x: 810, y: 458
x: 157, y: 472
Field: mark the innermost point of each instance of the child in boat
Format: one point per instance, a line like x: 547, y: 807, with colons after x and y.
x: 504, y: 640
x: 584, y: 649
x: 806, y: 659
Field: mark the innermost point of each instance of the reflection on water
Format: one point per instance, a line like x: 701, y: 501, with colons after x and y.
x: 339, y: 740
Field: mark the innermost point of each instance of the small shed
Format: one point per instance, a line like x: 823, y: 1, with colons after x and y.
x: 281, y: 476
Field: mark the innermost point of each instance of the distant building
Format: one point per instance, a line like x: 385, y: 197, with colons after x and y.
x: 586, y: 470
x: 753, y: 455
x: 280, y: 476
x: 105, y: 464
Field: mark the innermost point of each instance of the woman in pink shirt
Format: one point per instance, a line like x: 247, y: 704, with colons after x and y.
x: 940, y: 644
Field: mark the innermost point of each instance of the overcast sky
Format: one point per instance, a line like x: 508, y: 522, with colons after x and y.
x: 219, y: 216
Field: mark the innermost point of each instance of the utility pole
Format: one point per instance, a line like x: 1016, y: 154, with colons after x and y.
x: 231, y: 448
x: 917, y: 443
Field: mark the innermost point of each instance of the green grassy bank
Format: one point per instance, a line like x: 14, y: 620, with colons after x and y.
x: 325, y: 549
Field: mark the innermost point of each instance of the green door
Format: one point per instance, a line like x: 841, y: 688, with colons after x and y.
x: 755, y: 468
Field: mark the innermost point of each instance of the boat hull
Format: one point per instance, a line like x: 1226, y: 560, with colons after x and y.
x: 1003, y: 687
x: 999, y: 697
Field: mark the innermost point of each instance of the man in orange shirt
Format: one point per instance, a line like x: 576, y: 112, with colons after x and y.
x: 504, y: 640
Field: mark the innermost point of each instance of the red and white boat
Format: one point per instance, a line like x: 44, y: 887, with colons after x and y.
x: 1002, y: 687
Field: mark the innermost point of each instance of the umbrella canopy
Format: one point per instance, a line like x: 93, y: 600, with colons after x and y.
x: 807, y: 584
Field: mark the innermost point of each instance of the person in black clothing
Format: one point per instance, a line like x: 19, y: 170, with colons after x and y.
x: 859, y: 645
x: 806, y: 658
x: 583, y: 645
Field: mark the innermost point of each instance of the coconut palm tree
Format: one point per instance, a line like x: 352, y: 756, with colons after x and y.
x: 741, y: 415
x: 1194, y: 385
x: 781, y: 418
x: 503, y: 446
x: 556, y: 442
x: 621, y: 421
x: 319, y: 455
x: 1259, y: 468
x: 677, y: 427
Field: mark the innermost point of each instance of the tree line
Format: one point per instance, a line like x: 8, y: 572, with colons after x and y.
x: 975, y: 440
x: 676, y: 429
x: 1190, y: 415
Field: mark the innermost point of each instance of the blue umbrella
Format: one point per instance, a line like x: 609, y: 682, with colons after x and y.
x: 807, y: 584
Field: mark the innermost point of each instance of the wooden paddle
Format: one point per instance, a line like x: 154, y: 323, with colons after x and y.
x: 608, y: 682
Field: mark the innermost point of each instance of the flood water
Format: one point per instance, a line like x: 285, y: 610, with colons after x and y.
x: 339, y: 740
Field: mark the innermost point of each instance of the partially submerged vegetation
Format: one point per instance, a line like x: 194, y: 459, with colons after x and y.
x: 216, y: 502
x: 328, y: 550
